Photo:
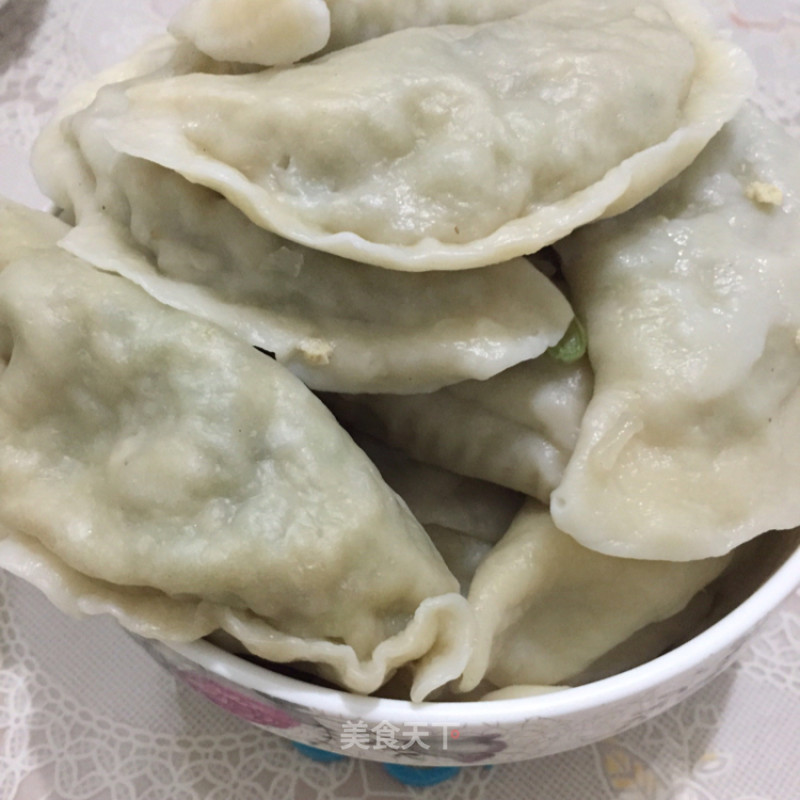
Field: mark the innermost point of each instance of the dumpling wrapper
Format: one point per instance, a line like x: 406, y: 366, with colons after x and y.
x: 265, y: 32
x: 270, y: 32
x: 156, y: 468
x: 450, y: 146
x: 516, y: 429
x: 691, y: 442
x: 547, y: 608
x: 339, y: 325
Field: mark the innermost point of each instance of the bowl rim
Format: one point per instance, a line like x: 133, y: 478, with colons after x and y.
x: 718, y: 638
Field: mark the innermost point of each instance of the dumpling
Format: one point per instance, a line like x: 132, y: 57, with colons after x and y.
x: 463, y: 516
x: 59, y: 169
x: 444, y: 499
x: 354, y: 21
x: 516, y: 429
x: 546, y: 607
x: 444, y: 147
x: 284, y: 31
x: 337, y: 324
x: 691, y: 442
x: 155, y: 467
x: 263, y: 32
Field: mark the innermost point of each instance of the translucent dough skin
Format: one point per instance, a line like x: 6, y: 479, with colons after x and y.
x: 146, y: 449
x: 691, y: 301
x: 451, y: 146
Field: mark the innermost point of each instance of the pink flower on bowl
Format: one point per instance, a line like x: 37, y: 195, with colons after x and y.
x: 239, y: 703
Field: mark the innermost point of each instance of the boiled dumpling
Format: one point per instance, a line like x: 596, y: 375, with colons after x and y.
x: 278, y: 32
x: 263, y: 32
x: 438, y: 497
x: 449, y: 146
x: 463, y: 516
x: 691, y: 442
x: 546, y: 607
x: 336, y: 324
x: 179, y: 479
x: 516, y: 429
x: 283, y: 31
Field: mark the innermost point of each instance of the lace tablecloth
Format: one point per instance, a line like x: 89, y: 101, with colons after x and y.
x: 86, y: 715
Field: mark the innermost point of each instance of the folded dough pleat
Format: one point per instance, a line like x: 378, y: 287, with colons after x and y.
x: 175, y: 477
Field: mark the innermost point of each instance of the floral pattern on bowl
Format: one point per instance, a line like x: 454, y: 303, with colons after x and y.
x: 448, y: 741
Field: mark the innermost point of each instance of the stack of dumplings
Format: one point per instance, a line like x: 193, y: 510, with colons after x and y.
x: 438, y: 348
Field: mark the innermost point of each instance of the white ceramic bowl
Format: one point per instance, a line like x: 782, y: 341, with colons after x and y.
x: 487, y: 732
